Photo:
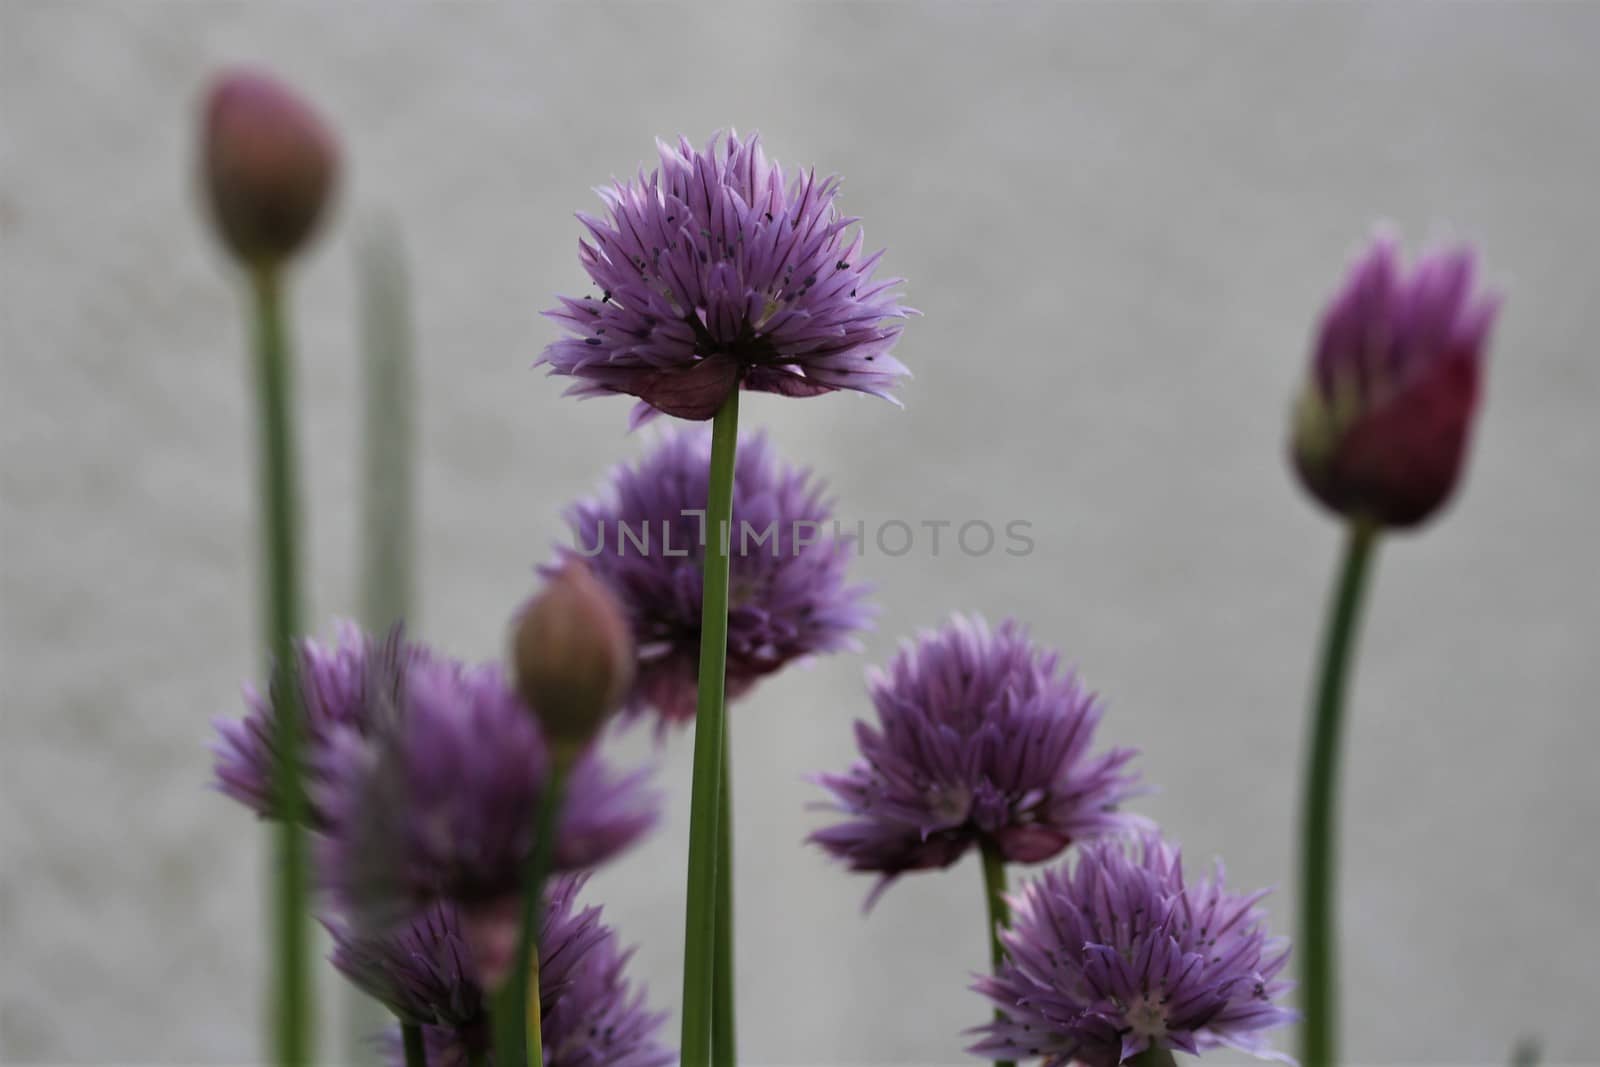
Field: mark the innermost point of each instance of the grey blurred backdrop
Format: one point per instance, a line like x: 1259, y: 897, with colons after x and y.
x: 1119, y: 222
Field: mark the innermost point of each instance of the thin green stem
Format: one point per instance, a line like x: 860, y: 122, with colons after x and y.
x: 517, y: 1032
x: 292, y: 1026
x: 1319, y: 832
x: 724, y: 1047
x: 1154, y: 1057
x: 411, y: 1039
x: 388, y: 512
x: 700, y: 919
x: 999, y: 912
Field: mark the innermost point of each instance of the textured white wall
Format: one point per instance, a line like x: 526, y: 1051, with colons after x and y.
x: 1119, y: 221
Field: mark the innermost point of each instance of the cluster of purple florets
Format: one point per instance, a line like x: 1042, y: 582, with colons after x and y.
x: 719, y: 272
x: 424, y: 780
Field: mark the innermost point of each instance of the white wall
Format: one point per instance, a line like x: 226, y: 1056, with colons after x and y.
x: 1119, y: 221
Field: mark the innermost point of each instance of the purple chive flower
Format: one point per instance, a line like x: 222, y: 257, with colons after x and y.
x: 333, y: 680
x: 789, y: 593
x: 1119, y: 955
x: 715, y: 273
x: 980, y: 738
x: 441, y: 801
x: 427, y: 972
x: 1382, y: 426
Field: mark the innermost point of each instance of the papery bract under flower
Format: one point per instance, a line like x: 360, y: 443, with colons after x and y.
x: 1382, y: 426
x: 980, y: 737
x: 716, y: 273
x: 790, y: 596
x: 1118, y: 955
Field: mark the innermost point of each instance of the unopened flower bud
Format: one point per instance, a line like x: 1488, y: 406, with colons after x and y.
x: 1382, y: 425
x: 573, y: 650
x: 269, y: 166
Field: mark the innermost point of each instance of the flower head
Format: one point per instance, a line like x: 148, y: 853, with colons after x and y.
x: 715, y: 273
x: 980, y: 737
x: 1119, y: 955
x: 427, y: 973
x: 441, y: 801
x: 1382, y: 425
x: 269, y: 166
x: 789, y: 593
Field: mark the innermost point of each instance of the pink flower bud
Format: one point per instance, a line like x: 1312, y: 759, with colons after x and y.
x: 573, y: 649
x: 269, y: 166
x: 1382, y: 425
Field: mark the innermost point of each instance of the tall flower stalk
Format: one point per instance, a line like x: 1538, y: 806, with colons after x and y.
x: 716, y: 273
x: 269, y: 166
x: 281, y: 550
x: 517, y: 1037
x: 704, y: 998
x: 388, y: 518
x: 998, y: 911
x: 574, y: 664
x: 724, y: 1033
x: 1379, y: 438
x: 1319, y: 830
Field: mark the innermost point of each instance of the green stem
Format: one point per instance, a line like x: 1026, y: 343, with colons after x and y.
x: 724, y: 1048
x: 994, y: 892
x: 517, y: 1034
x: 384, y: 548
x: 281, y: 578
x: 700, y: 919
x: 1318, y: 833
x: 411, y: 1039
x: 388, y: 511
x: 1154, y: 1057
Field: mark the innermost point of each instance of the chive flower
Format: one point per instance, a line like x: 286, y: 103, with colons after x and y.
x: 1118, y: 954
x: 1383, y: 423
x: 427, y: 972
x: 982, y: 737
x: 440, y: 802
x: 644, y: 536
x: 716, y: 271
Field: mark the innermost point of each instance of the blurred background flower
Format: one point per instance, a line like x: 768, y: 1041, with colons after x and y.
x: 1382, y: 428
x: 790, y: 595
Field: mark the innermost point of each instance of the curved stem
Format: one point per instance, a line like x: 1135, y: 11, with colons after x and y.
x: 700, y: 918
x: 281, y: 581
x: 1319, y: 832
x: 999, y: 912
x: 724, y: 1046
x: 518, y: 1037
